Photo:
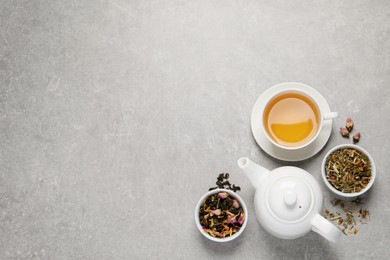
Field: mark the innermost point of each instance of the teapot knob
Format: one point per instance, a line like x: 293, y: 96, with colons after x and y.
x: 290, y: 198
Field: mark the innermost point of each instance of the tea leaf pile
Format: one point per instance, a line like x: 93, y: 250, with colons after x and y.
x: 348, y: 170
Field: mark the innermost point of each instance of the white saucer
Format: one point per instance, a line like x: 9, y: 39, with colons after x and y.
x: 290, y: 155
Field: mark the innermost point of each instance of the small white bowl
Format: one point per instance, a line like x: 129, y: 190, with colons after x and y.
x: 333, y: 189
x: 225, y: 239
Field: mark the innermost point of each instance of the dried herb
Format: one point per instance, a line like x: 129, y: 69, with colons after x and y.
x: 348, y: 170
x: 349, y: 217
x: 221, y: 215
x: 223, y: 183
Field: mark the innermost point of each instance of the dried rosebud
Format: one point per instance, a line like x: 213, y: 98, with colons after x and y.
x: 344, y: 132
x: 223, y: 195
x: 236, y: 204
x: 241, y: 218
x: 356, y: 137
x: 216, y: 212
x: 349, y: 124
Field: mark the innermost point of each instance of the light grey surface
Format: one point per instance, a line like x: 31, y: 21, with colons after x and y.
x: 117, y: 116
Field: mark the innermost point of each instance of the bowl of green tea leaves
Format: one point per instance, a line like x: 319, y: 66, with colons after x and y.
x: 348, y: 170
x: 221, y: 215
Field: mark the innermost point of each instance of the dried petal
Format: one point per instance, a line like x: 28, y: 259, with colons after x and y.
x: 236, y: 204
x: 344, y: 132
x: 231, y: 220
x: 217, y: 234
x: 241, y: 218
x: 349, y: 124
x: 216, y: 212
x: 223, y: 195
x: 356, y: 137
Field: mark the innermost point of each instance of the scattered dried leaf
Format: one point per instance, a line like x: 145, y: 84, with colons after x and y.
x: 349, y: 216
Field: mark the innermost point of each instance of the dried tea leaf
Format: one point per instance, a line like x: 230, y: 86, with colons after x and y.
x: 223, y: 183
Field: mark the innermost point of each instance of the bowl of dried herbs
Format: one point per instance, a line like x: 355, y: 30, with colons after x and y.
x: 348, y: 170
x: 221, y: 215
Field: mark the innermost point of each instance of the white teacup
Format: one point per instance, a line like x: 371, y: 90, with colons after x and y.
x: 292, y: 119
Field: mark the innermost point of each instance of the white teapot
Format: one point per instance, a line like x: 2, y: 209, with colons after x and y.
x: 288, y: 201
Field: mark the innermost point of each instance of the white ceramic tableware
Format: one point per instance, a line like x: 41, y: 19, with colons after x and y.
x: 284, y: 154
x: 323, y: 116
x: 343, y: 195
x: 225, y: 239
x: 288, y: 201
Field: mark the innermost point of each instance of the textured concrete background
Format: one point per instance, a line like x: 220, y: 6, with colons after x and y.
x: 117, y: 116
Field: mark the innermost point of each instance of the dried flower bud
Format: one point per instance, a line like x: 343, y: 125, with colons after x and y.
x: 241, y: 218
x: 349, y: 124
x: 236, y: 204
x: 344, y: 132
x: 216, y: 212
x: 223, y: 195
x: 356, y: 137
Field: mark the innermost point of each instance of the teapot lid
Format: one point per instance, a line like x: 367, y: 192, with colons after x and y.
x: 289, y: 198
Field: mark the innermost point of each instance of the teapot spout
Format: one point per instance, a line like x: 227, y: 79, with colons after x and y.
x: 255, y: 172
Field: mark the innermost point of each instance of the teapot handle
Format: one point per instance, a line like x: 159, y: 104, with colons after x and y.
x: 325, y: 228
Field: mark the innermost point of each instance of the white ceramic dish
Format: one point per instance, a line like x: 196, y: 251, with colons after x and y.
x: 333, y: 189
x: 277, y: 152
x: 216, y: 239
x: 288, y: 201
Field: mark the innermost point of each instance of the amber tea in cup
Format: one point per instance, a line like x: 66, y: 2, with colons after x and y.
x: 291, y: 119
